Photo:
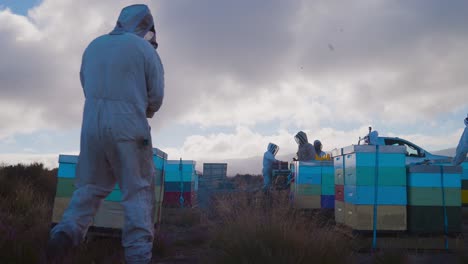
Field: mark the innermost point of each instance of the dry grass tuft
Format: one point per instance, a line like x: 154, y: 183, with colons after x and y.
x: 253, y: 228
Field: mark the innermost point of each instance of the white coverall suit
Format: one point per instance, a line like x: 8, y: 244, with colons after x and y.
x: 305, y: 151
x: 462, y: 148
x: 268, y: 160
x: 123, y: 81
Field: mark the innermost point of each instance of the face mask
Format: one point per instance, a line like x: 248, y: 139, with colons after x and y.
x: 149, y: 35
x: 297, y: 140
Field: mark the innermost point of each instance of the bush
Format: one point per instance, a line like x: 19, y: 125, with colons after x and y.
x: 43, y: 180
x: 24, y: 219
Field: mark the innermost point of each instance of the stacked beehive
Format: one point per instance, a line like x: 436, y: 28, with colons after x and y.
x: 111, y: 212
x: 313, y: 185
x: 211, y: 182
x: 327, y: 198
x: 214, y: 174
x: 434, y: 199
x: 375, y: 187
x: 181, y: 184
x: 338, y: 164
x: 65, y: 185
x: 464, y: 179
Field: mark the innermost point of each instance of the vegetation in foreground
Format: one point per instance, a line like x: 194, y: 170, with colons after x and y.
x: 265, y: 229
x: 241, y: 227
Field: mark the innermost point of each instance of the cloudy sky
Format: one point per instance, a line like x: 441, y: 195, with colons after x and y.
x: 240, y: 74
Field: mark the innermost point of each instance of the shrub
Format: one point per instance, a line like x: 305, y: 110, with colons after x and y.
x: 24, y: 219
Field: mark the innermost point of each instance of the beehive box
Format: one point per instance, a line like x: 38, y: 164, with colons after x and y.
x: 389, y: 217
x: 338, y: 174
x: 214, y: 174
x: 434, y: 195
x: 182, y: 182
x: 338, y: 165
x: 360, y: 164
x: 110, y: 214
x: 464, y: 179
x: 372, y: 177
x: 280, y: 165
x: 339, y: 212
x: 313, y: 185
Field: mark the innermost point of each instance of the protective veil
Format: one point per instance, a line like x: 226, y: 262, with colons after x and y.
x: 306, y: 151
x: 268, y: 160
x: 462, y: 148
x: 123, y: 82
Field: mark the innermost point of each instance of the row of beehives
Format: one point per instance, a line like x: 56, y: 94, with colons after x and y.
x: 176, y: 185
x: 372, y: 182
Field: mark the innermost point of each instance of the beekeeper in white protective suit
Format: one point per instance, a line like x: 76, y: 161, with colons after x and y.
x: 318, y: 149
x: 123, y: 82
x: 462, y: 148
x: 305, y: 150
x: 268, y: 160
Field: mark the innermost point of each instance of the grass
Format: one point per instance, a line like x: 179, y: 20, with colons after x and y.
x: 256, y: 229
x: 241, y: 228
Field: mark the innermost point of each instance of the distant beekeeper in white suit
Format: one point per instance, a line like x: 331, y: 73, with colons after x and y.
x: 462, y: 148
x: 268, y: 160
x: 123, y: 82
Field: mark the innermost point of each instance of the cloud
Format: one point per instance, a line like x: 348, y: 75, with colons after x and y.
x: 246, y: 143
x: 400, y: 62
x: 241, y: 63
x: 243, y: 149
x: 49, y: 160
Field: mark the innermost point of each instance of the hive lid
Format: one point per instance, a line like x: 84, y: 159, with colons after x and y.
x: 160, y: 153
x: 372, y: 149
x: 68, y: 159
x: 315, y: 163
x: 185, y: 162
x: 337, y: 152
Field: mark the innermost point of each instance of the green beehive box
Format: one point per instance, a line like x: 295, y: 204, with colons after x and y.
x: 432, y: 196
x: 328, y: 179
x: 65, y: 187
x: 328, y: 190
x: 387, y: 176
x: 308, y: 189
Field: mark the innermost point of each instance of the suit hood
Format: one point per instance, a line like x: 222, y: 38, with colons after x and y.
x: 136, y: 19
x: 301, y: 138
